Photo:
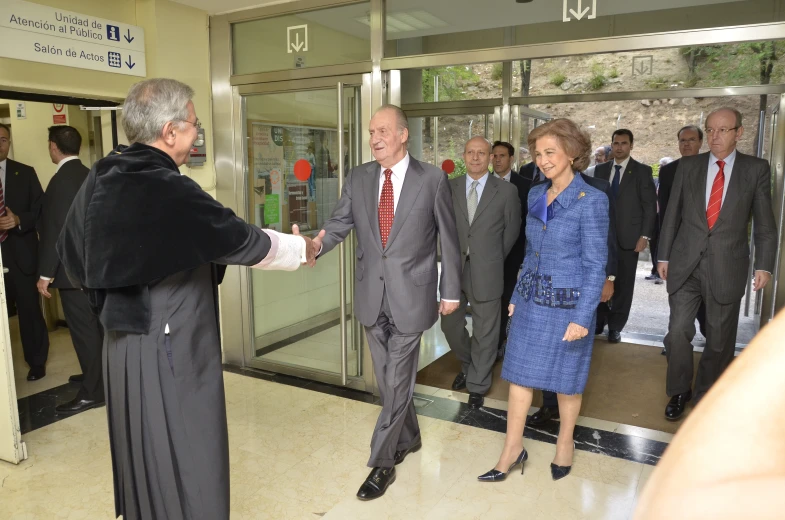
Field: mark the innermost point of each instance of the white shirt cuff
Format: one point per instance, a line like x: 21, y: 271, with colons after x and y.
x: 287, y: 252
x: 45, y: 278
x: 451, y: 301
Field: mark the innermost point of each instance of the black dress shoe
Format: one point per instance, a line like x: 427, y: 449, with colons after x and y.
x: 559, y: 472
x: 377, y: 483
x: 76, y: 378
x: 475, y: 401
x: 664, y: 352
x: 614, y: 336
x: 460, y: 381
x: 401, y: 454
x: 36, y: 373
x: 599, y: 329
x: 543, y: 415
x: 495, y: 475
x: 675, y: 408
x: 77, y: 404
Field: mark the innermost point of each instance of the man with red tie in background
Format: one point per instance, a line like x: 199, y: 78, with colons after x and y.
x: 704, y: 253
x: 20, y: 204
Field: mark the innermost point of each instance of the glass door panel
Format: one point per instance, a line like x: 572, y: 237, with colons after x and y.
x: 298, y: 154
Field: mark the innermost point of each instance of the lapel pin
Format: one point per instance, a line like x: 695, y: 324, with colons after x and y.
x: 16, y: 173
x: 582, y: 194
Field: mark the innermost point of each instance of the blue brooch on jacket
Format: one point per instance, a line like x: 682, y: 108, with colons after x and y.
x: 539, y: 288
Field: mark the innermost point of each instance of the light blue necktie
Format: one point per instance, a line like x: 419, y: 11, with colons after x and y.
x: 615, y: 183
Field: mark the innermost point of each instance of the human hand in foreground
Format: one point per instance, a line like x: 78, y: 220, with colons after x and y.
x: 607, y: 291
x: 510, y: 310
x: 43, y: 287
x: 574, y: 332
x: 662, y: 270
x: 312, y: 248
x: 762, y: 279
x: 9, y: 220
x: 641, y: 245
x: 446, y: 308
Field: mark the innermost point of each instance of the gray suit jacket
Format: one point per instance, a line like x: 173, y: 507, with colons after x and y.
x: 685, y: 235
x: 406, y: 269
x: 491, y: 235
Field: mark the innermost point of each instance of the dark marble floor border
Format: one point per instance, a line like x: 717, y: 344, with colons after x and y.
x: 297, y: 337
x: 38, y: 410
x: 612, y: 444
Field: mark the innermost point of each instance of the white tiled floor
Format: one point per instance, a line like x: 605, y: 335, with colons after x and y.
x: 298, y: 454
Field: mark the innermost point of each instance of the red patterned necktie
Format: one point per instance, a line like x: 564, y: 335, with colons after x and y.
x: 4, y: 233
x: 715, y: 200
x: 386, y: 207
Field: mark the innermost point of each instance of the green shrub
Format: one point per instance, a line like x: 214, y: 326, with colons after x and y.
x: 614, y: 73
x: 597, y: 81
x: 558, y: 79
x: 497, y: 71
x: 460, y: 169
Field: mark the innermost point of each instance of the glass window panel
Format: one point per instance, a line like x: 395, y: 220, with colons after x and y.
x: 333, y: 36
x: 416, y: 27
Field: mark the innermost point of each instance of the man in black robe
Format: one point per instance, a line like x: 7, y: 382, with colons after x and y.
x: 149, y: 247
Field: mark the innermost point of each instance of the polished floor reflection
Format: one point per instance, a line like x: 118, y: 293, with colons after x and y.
x: 300, y: 454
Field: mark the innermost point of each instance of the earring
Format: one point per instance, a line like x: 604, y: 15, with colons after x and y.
x: 571, y: 161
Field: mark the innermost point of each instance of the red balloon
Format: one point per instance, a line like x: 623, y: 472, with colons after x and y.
x: 302, y: 170
x: 448, y: 166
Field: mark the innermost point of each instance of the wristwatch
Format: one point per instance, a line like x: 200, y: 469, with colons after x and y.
x: 611, y: 278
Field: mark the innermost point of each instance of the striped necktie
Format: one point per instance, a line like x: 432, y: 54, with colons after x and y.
x: 715, y: 200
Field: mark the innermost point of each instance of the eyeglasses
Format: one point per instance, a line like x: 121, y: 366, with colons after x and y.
x: 197, y: 124
x: 720, y: 131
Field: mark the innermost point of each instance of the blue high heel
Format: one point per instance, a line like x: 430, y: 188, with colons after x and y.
x: 559, y: 472
x: 495, y: 475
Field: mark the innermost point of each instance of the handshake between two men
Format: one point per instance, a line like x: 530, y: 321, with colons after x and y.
x: 313, y: 246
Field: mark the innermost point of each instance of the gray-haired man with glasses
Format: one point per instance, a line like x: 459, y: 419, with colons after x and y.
x: 704, y: 253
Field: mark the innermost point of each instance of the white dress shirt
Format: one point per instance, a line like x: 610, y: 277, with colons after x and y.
x: 506, y: 177
x: 623, y: 164
x: 714, y: 170
x: 480, y: 186
x: 397, y: 177
x: 3, y: 168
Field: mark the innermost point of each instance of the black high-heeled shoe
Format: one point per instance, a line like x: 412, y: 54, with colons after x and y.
x: 495, y: 475
x: 559, y: 472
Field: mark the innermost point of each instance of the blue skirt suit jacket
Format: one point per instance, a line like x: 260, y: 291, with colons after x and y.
x: 561, y: 281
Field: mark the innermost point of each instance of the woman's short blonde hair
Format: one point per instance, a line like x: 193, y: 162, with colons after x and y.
x: 575, y: 142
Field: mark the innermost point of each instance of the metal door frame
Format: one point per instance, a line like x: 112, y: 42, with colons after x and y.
x: 240, y: 344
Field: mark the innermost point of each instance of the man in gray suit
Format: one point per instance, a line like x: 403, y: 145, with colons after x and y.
x: 488, y: 216
x: 705, y: 254
x: 397, y: 205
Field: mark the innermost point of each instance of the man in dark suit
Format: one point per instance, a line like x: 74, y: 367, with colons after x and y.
x: 690, y: 143
x: 705, y: 253
x: 488, y: 220
x: 20, y: 205
x: 399, y: 207
x: 503, y: 156
x: 636, y: 219
x: 86, y: 332
x: 550, y: 404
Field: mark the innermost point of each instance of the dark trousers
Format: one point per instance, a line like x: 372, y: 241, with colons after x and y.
x: 87, y: 336
x: 21, y: 288
x: 619, y: 311
x: 395, y: 355
x: 511, y: 268
x: 653, y: 247
x: 722, y: 321
x: 477, y: 353
x: 549, y: 399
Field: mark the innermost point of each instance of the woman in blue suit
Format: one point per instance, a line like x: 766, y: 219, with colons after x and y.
x: 553, y: 307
